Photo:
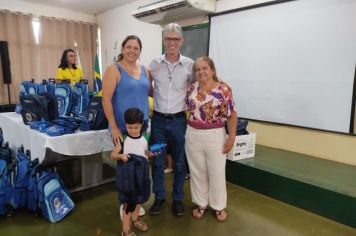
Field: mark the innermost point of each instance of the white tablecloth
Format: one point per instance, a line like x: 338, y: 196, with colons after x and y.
x: 79, y: 144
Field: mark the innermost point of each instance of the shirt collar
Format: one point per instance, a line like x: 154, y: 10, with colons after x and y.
x: 134, y: 137
x: 164, y: 58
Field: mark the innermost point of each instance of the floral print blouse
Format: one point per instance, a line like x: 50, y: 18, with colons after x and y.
x: 209, y: 109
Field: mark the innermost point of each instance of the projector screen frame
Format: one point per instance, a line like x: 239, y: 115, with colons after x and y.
x: 353, y: 102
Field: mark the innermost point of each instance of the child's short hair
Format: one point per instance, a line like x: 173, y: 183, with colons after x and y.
x: 133, y: 116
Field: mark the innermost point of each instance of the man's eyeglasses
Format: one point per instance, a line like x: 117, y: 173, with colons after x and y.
x: 174, y: 40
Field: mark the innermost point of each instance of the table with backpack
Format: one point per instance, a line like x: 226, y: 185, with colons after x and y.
x: 59, y: 117
x: 52, y: 123
x: 57, y: 122
x: 77, y: 144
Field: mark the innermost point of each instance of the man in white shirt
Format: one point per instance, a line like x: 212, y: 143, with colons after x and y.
x: 171, y: 73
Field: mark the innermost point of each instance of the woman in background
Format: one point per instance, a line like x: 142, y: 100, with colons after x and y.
x: 67, y: 69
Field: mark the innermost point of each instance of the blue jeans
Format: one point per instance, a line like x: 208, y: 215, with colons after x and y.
x: 174, y: 129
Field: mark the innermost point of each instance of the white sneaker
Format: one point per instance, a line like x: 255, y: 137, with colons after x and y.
x: 141, y: 213
x: 168, y: 170
x: 121, y: 210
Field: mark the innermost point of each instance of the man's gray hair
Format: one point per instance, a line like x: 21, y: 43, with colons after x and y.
x: 172, y: 27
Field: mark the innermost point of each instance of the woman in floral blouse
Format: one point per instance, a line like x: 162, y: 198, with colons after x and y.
x: 210, y: 105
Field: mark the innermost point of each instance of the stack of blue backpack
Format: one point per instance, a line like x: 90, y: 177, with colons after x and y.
x: 65, y: 116
x: 24, y: 183
x: 71, y: 100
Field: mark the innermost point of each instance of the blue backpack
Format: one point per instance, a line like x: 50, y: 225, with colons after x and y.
x: 132, y: 180
x: 54, y: 197
x: 81, y: 97
x: 63, y: 93
x: 22, y: 176
x: 24, y: 88
x: 68, y: 123
x: 51, y: 86
x: 32, y: 87
x: 34, y: 108
x: 32, y: 187
x: 1, y: 137
x: 42, y: 87
x: 95, y: 114
x: 47, y: 87
x: 5, y: 189
x: 6, y: 153
x: 241, y: 127
x: 23, y: 92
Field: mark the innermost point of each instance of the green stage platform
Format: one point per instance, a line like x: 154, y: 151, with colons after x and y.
x: 324, y: 187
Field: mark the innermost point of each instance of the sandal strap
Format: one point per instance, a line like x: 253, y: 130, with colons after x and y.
x: 139, y: 224
x: 200, y: 211
x: 219, y: 213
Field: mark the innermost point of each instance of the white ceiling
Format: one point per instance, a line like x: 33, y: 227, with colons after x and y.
x: 84, y: 6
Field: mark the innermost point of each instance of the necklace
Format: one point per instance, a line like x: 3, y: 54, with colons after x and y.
x: 170, y: 72
x: 70, y: 71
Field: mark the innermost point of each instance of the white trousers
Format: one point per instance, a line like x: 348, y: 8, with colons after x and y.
x: 207, y: 166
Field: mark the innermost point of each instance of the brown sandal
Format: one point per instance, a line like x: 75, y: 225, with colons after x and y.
x: 198, y: 212
x: 219, y: 217
x: 140, y: 225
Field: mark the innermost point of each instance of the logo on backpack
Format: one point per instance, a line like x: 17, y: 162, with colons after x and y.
x: 28, y: 117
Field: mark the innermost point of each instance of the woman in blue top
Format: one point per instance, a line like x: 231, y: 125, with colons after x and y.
x: 126, y: 84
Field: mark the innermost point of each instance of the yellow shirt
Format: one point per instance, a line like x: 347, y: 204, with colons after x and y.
x: 71, y: 74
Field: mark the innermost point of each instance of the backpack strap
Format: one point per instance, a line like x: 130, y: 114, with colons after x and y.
x: 146, y: 136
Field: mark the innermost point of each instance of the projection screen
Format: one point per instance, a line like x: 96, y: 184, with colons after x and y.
x: 289, y: 63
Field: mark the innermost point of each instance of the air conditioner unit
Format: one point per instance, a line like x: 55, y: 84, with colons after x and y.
x: 166, y: 11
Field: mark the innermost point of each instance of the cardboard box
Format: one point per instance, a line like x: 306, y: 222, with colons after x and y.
x: 244, y: 147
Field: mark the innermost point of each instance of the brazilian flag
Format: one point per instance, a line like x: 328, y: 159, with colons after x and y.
x: 97, y: 79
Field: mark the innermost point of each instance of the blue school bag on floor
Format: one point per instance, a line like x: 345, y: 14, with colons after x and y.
x: 6, y: 153
x: 81, y: 97
x: 32, y: 187
x: 5, y: 188
x: 54, y: 197
x: 63, y: 93
x: 1, y: 137
x: 22, y: 176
